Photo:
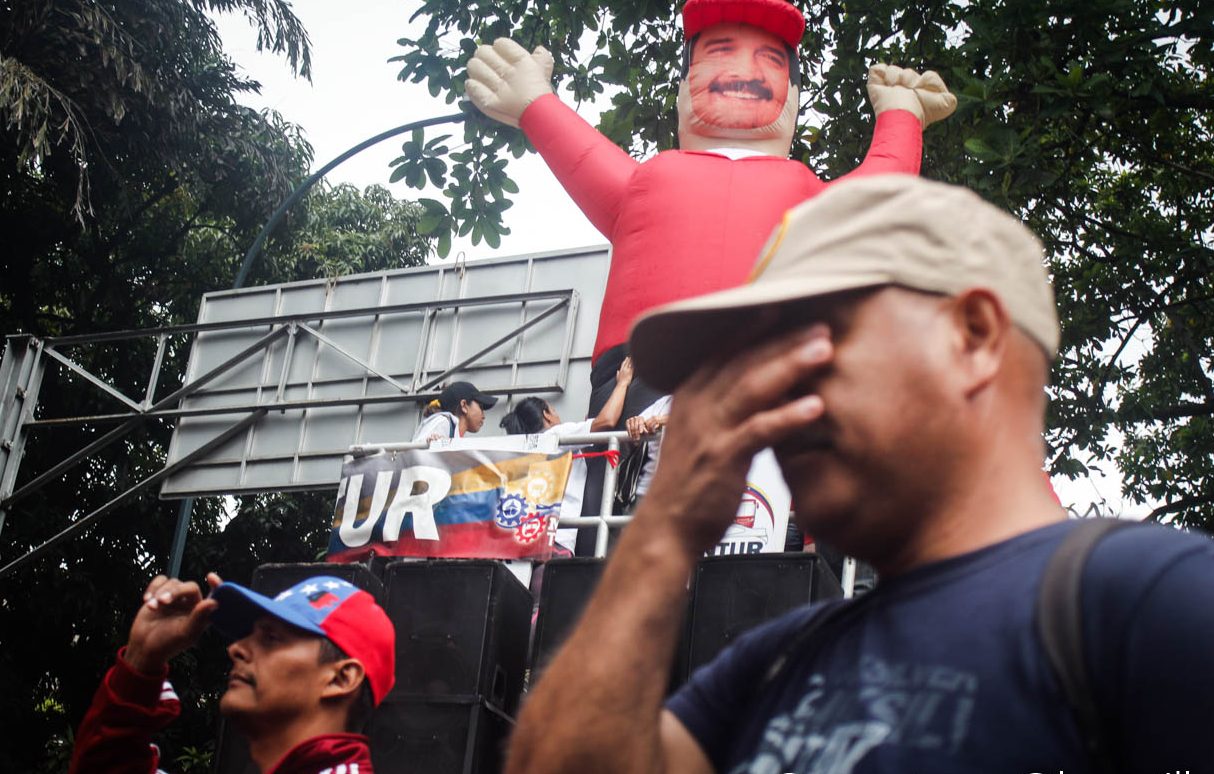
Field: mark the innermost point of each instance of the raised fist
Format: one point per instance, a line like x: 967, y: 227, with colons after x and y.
x: 170, y: 620
x: 899, y: 88
x: 503, y: 79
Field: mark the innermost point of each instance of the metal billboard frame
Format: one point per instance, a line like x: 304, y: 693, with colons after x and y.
x: 25, y: 361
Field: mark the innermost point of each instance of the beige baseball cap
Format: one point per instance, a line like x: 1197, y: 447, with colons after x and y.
x: 868, y: 232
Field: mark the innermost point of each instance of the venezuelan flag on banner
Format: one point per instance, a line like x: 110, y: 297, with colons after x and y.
x: 460, y: 503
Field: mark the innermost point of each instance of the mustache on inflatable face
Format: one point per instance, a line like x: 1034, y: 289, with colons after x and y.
x: 741, y: 89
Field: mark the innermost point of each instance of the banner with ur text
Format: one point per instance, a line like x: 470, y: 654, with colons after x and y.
x: 449, y: 502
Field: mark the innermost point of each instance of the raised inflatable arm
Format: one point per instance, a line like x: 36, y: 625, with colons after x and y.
x: 905, y: 102
x: 593, y: 170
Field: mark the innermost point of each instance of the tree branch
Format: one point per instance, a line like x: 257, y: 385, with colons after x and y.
x: 1176, y: 411
x: 1178, y: 505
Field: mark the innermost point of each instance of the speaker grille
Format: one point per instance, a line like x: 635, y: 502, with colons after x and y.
x: 431, y: 737
x: 462, y: 630
x: 732, y: 594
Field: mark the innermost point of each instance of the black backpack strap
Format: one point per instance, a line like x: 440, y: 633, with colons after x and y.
x: 1060, y: 626
x: 805, y: 638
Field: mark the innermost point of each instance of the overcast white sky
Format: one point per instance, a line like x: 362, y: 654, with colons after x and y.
x: 354, y: 95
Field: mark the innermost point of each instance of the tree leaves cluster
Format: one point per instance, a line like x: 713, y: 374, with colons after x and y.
x: 1092, y: 120
x: 346, y: 231
x: 131, y: 182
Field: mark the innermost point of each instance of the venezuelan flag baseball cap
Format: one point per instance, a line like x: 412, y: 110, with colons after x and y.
x: 325, y: 606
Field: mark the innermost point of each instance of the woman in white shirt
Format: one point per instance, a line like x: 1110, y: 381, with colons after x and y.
x: 533, y: 416
x: 460, y: 408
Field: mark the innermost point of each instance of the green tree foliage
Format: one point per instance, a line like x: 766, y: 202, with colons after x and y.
x: 1091, y: 119
x: 347, y: 231
x: 131, y: 182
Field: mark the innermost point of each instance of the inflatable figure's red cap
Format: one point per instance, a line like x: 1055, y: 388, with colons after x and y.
x: 778, y: 17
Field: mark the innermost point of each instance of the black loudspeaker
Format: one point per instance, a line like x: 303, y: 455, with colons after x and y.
x: 462, y: 631
x: 565, y: 588
x: 731, y: 594
x: 270, y: 579
x: 438, y: 737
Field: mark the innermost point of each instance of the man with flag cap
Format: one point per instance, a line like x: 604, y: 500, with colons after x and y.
x: 308, y: 666
x: 688, y: 221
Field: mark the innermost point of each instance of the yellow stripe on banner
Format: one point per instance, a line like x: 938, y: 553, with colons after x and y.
x: 770, y: 252
x: 517, y: 474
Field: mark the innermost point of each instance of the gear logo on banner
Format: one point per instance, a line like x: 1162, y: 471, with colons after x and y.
x: 511, y: 510
x: 538, y: 487
x: 532, y: 529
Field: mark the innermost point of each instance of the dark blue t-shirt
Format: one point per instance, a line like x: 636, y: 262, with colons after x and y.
x: 941, y: 670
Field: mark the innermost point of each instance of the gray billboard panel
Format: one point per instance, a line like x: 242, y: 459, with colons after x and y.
x: 353, y: 360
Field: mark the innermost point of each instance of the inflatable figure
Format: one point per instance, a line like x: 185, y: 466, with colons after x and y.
x: 691, y: 221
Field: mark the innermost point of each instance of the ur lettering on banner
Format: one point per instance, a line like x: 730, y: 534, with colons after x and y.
x: 449, y: 502
x: 762, y: 519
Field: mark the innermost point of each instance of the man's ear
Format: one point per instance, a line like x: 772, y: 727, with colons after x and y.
x: 347, y: 677
x: 982, y: 326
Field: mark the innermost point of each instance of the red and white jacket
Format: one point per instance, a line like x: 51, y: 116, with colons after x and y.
x: 129, y: 707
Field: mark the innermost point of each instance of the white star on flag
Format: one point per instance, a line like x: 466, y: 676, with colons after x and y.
x: 311, y: 588
x: 332, y: 585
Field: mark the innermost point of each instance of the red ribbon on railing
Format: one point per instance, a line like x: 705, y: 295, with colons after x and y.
x: 612, y: 455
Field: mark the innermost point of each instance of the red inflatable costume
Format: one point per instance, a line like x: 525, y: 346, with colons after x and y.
x: 685, y: 223
x: 691, y: 221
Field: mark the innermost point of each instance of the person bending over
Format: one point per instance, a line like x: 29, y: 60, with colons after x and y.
x: 308, y: 666
x: 534, y: 416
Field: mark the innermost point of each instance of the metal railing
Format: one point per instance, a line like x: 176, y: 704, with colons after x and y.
x: 602, y: 522
x: 606, y: 519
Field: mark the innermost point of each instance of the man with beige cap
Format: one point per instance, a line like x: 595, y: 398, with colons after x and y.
x: 893, y: 346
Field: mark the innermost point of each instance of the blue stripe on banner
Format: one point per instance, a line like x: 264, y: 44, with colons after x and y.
x: 466, y: 508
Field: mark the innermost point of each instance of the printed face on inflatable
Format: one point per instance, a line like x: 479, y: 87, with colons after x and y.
x: 738, y: 76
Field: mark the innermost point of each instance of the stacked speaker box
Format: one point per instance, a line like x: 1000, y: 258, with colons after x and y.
x: 461, y: 648
x: 565, y: 588
x: 731, y: 594
x: 433, y: 736
x: 270, y: 579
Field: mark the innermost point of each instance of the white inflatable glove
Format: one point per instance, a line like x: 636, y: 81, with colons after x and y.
x: 899, y: 88
x: 503, y: 79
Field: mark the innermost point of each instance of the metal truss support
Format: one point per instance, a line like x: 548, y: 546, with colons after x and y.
x: 86, y: 521
x: 138, y: 419
x: 20, y: 379
x: 25, y: 361
x: 517, y: 331
x: 95, y: 380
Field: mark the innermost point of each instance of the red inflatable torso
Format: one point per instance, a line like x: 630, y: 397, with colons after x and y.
x: 685, y: 223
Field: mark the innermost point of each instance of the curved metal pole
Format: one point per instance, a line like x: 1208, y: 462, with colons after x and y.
x: 303, y: 187
x: 187, y: 505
